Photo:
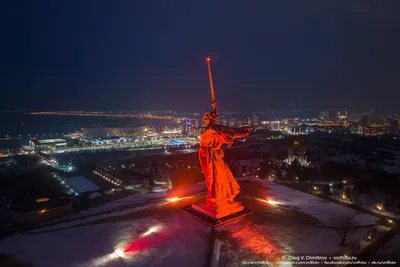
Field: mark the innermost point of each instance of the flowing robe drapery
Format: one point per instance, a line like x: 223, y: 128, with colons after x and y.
x: 222, y: 186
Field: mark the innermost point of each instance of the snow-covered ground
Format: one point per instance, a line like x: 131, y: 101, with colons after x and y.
x: 255, y: 242
x: 318, y: 208
x: 172, y: 240
x: 368, y: 201
x: 132, y: 203
x: 149, y: 233
x: 138, y: 201
x: 258, y: 240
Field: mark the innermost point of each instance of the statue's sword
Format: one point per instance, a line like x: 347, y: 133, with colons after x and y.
x: 211, y: 83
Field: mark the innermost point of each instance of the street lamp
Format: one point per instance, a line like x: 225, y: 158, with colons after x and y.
x: 380, y: 207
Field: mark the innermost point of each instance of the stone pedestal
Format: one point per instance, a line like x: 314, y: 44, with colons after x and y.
x: 218, y: 211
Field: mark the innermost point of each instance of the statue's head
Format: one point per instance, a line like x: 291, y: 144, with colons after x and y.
x: 209, y: 117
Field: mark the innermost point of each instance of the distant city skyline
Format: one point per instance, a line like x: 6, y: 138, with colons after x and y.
x: 332, y: 112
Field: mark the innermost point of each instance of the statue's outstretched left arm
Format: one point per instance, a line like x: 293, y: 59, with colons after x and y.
x: 227, y: 134
x: 243, y: 132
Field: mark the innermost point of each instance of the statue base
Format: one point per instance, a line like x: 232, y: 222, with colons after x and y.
x: 214, y: 216
x: 219, y: 211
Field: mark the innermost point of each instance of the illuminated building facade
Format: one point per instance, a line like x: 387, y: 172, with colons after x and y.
x: 275, y: 125
x: 255, y: 120
x: 324, y: 116
x: 297, y: 152
x: 44, y: 144
x: 250, y: 121
x: 188, y: 127
x: 296, y: 129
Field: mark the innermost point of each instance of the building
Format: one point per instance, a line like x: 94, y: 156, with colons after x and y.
x: 324, y: 116
x: 195, y: 123
x: 275, y: 125
x: 297, y: 129
x: 255, y: 120
x: 47, y: 144
x: 393, y: 128
x: 364, y: 121
x: 250, y: 121
x: 363, y: 126
x: 187, y: 127
x: 297, y: 152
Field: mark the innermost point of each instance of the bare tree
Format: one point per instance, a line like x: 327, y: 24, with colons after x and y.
x: 352, y: 248
x: 344, y: 225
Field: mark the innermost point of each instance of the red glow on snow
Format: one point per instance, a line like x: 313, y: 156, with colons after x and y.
x: 145, y: 241
x: 254, y: 241
x: 137, y: 245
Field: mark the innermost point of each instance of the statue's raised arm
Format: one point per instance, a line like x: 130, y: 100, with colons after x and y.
x: 214, y: 106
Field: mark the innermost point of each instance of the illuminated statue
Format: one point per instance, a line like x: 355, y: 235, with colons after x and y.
x: 222, y: 186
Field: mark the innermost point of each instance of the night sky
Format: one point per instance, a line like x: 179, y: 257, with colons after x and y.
x: 149, y: 55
